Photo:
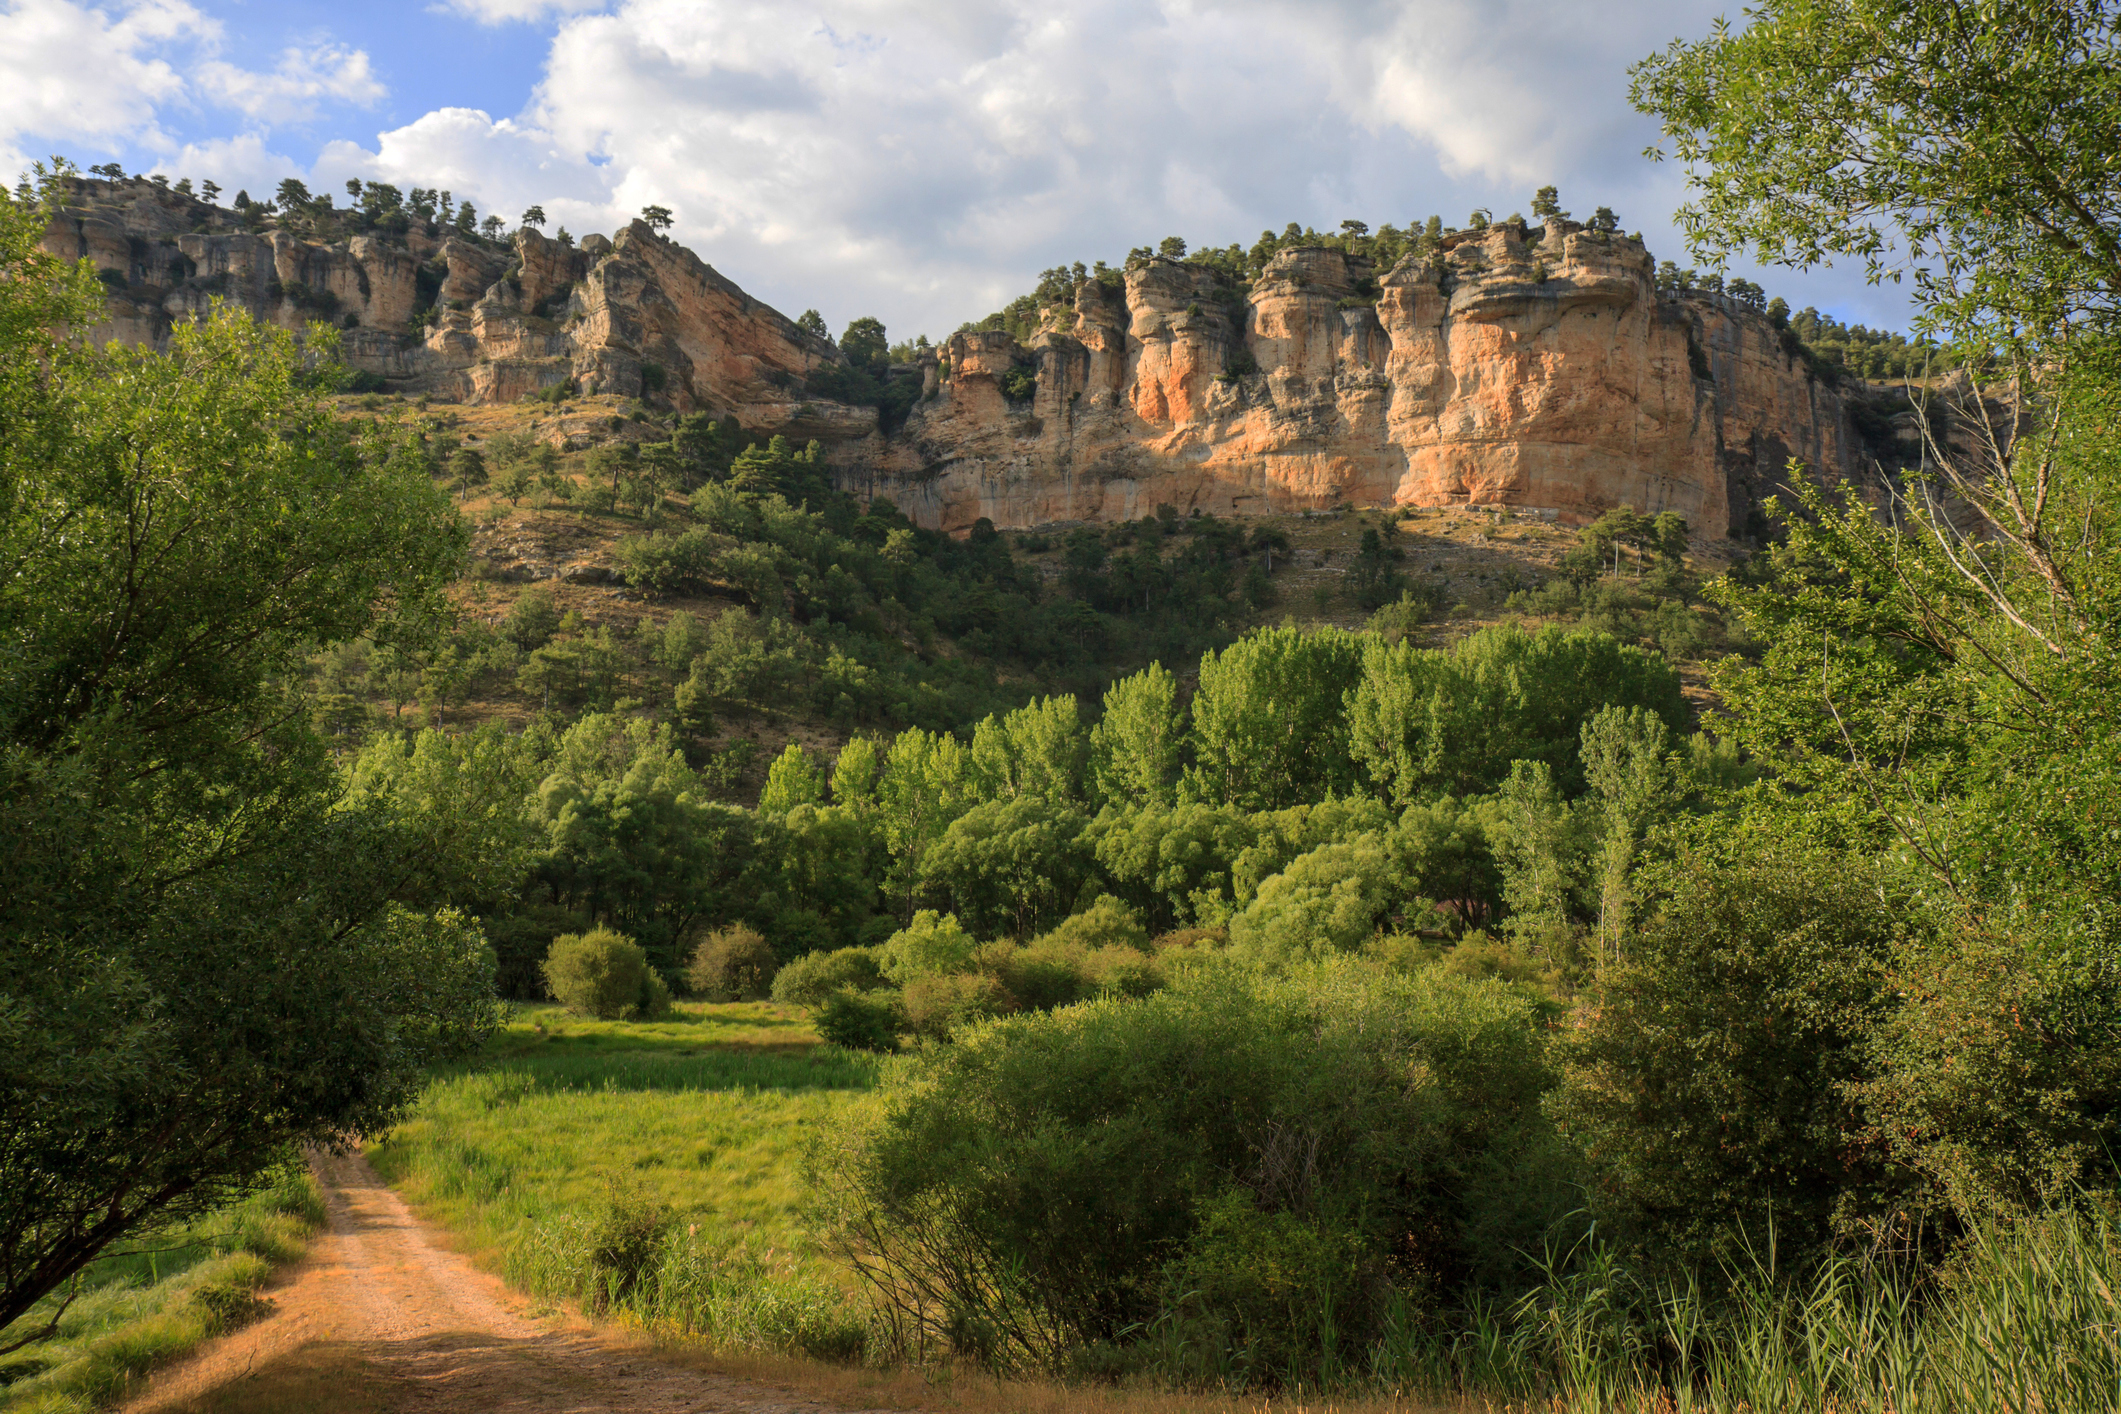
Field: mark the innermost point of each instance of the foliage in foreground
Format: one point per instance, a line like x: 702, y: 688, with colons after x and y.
x: 207, y: 957
x: 134, y: 1312
x: 1258, y: 1161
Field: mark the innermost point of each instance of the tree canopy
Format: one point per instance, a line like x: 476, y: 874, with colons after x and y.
x: 1968, y: 145
x: 207, y: 953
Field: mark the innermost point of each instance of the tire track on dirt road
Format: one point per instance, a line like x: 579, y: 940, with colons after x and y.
x: 379, y: 1319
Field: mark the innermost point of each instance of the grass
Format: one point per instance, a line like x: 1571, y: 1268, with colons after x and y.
x: 176, y: 1289
x: 694, y: 1028
x: 645, y: 1170
x: 648, y: 1172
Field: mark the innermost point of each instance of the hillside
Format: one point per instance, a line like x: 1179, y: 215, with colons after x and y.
x: 598, y: 583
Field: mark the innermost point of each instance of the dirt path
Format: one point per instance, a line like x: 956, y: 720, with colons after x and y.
x: 380, y: 1320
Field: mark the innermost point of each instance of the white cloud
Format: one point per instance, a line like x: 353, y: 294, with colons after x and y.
x: 922, y: 159
x: 499, y: 12
x: 298, y: 83
x: 245, y: 163
x: 74, y: 74
x: 79, y: 75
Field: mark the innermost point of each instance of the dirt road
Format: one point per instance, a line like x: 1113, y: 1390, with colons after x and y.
x: 380, y: 1320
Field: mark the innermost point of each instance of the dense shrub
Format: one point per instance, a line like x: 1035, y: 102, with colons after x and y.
x: 860, y: 1021
x: 935, y: 1007
x: 532, y: 619
x: 606, y: 975
x: 810, y: 979
x: 733, y: 964
x: 1057, y: 1181
x: 1713, y: 1089
x: 660, y: 563
x: 1330, y: 899
x: 1106, y: 923
x: 625, y: 1244
x: 932, y: 945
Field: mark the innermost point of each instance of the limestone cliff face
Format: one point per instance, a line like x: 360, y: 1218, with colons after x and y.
x: 464, y: 318
x: 1535, y: 368
x: 1532, y: 367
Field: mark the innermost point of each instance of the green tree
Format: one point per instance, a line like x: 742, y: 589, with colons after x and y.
x: 1268, y: 726
x: 1963, y: 145
x: 1008, y: 866
x: 207, y: 955
x: 1424, y: 723
x: 1712, y: 1088
x: 1546, y: 203
x: 1038, y: 749
x: 865, y: 345
x: 657, y: 218
x: 791, y: 781
x: 1172, y: 862
x: 1935, y: 689
x: 467, y: 470
x: 1135, y: 746
x: 534, y: 216
x: 629, y: 840
x: 1376, y: 574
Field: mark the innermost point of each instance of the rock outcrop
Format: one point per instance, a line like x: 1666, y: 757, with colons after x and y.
x: 458, y: 316
x: 1531, y: 367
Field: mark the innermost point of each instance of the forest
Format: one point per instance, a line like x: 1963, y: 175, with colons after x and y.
x: 1210, y: 1003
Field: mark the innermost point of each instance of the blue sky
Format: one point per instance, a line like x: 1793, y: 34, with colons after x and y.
x: 919, y: 160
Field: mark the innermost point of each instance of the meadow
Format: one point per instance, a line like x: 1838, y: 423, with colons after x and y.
x: 644, y: 1170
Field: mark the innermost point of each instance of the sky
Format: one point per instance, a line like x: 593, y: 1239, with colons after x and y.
x: 920, y: 161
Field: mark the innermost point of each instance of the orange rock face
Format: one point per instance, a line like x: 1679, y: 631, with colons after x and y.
x: 1528, y: 367
x: 1536, y: 369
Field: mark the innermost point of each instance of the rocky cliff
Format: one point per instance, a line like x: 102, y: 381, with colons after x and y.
x: 1533, y: 368
x: 1530, y: 367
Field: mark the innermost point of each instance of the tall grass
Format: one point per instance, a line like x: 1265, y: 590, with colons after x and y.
x: 2026, y: 1318
x: 163, y: 1295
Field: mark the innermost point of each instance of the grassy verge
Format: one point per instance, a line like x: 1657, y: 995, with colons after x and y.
x: 644, y: 1171
x: 135, y: 1312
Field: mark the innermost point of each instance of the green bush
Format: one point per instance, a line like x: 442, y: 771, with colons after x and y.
x: 1055, y: 1180
x: 660, y: 563
x: 932, y: 945
x: 935, y: 1007
x: 1714, y: 1089
x: 532, y: 620
x: 860, y: 1021
x: 1106, y: 923
x: 812, y: 978
x: 626, y: 1244
x: 606, y: 975
x: 733, y: 964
